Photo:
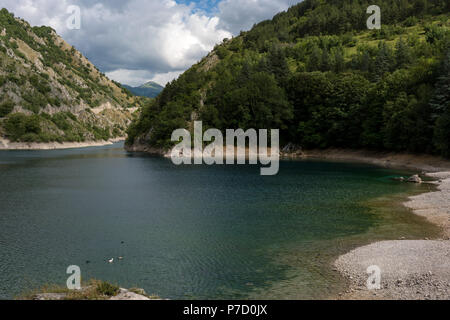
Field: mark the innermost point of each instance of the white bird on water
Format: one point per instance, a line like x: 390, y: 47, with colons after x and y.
x: 111, y: 261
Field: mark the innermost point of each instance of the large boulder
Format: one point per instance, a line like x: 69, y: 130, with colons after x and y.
x: 415, y: 179
x: 292, y: 150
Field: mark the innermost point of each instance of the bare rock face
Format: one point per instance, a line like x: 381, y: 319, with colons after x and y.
x: 292, y: 150
x: 49, y: 296
x: 415, y: 179
x: 128, y: 295
x: 87, y: 294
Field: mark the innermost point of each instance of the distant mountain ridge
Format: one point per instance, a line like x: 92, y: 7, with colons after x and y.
x: 150, y: 89
x: 50, y: 92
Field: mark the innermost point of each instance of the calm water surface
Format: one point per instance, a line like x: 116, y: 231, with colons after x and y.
x: 192, y: 232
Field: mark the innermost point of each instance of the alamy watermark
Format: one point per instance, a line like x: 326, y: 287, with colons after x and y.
x: 74, y: 281
x: 374, y: 280
x: 73, y: 22
x: 231, y: 151
x: 374, y: 21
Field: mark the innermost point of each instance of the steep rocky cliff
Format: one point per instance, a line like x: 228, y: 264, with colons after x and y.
x: 50, y: 92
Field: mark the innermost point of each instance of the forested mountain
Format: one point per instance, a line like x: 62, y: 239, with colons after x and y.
x: 50, y: 92
x: 150, y: 89
x: 317, y: 73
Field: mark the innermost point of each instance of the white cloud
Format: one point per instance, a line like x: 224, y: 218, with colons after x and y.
x: 164, y: 78
x: 241, y: 15
x: 132, y: 78
x: 138, y: 40
x: 135, y: 78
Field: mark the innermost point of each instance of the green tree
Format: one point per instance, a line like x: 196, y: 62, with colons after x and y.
x: 19, y: 125
x: 277, y: 63
x: 402, y: 53
x: 315, y: 59
x: 440, y: 106
x: 383, y: 60
x: 6, y: 108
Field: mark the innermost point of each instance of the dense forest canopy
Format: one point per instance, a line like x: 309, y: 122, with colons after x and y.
x: 320, y: 76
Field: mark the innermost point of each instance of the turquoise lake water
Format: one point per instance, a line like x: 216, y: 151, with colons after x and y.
x: 190, y: 232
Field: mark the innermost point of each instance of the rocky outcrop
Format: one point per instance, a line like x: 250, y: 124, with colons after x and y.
x: 131, y: 295
x: 292, y: 150
x: 415, y: 179
x: 89, y: 293
x: 140, y: 146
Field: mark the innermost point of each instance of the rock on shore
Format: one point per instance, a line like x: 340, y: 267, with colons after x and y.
x: 129, y: 295
x: 8, y: 145
x: 435, y: 206
x: 415, y: 179
x: 123, y: 294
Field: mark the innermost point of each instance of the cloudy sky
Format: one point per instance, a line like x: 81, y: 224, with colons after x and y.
x: 134, y: 41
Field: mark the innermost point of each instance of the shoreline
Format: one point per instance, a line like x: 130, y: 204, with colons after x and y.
x: 393, y: 160
x: 421, y: 162
x: 6, y: 145
x: 434, y: 205
x: 410, y: 269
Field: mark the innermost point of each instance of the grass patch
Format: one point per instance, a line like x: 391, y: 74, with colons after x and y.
x: 107, y: 289
x: 92, y: 290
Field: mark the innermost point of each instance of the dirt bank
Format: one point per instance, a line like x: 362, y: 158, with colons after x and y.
x: 8, y: 145
x: 426, y: 163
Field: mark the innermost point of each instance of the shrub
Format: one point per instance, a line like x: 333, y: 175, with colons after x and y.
x: 72, y: 116
x: 101, y: 134
x: 61, y: 121
x: 222, y: 52
x: 433, y: 33
x: 41, y: 85
x: 6, y: 108
x: 30, y: 137
x: 19, y: 126
x: 107, y: 289
x: 410, y: 21
x: 54, y: 101
x: 20, y: 54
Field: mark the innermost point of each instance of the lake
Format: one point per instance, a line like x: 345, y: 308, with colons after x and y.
x: 191, y: 232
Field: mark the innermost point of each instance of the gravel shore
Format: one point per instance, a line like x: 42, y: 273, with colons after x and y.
x: 8, y: 145
x: 410, y: 270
